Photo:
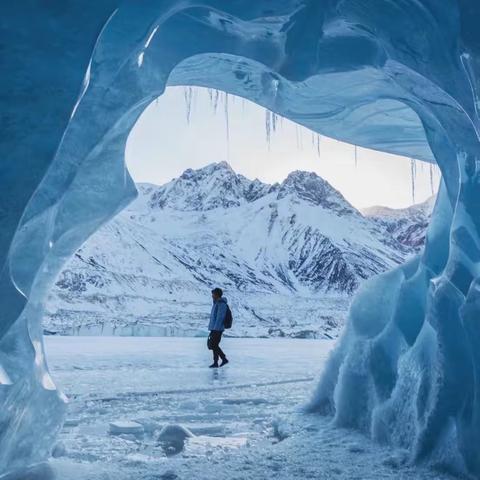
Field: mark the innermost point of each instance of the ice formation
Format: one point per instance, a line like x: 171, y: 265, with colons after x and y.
x: 413, y: 176
x: 407, y: 369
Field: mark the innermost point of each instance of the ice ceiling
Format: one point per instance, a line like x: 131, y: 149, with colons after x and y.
x: 395, y: 75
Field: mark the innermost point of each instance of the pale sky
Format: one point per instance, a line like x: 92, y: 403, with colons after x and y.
x: 163, y: 144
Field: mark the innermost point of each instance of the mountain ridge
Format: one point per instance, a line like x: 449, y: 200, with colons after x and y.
x: 408, y: 225
x: 288, y: 255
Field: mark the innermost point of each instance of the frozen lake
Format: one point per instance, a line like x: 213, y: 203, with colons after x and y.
x: 244, y: 417
x: 103, y: 366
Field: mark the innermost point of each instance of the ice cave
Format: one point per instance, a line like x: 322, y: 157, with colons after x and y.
x: 396, y: 76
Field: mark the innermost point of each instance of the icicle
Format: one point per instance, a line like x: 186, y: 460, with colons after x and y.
x: 356, y: 156
x: 274, y: 122
x: 432, y: 187
x: 188, y: 93
x: 313, y: 139
x: 215, y: 100
x: 210, y: 97
x: 318, y: 145
x: 413, y: 173
x: 268, y: 126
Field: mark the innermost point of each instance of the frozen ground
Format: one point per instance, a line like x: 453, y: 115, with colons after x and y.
x: 244, y: 418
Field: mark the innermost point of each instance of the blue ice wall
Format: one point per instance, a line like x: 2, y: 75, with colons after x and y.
x: 400, y: 77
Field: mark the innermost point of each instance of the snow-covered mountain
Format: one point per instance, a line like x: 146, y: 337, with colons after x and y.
x: 407, y: 225
x: 288, y: 256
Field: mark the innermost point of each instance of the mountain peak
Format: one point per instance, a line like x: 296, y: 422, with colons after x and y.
x: 301, y: 180
x: 213, y: 186
x: 217, y: 185
x: 209, y: 169
x: 407, y: 226
x: 315, y: 190
x: 422, y: 208
x: 224, y: 164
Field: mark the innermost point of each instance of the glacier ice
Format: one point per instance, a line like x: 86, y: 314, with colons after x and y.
x: 407, y: 369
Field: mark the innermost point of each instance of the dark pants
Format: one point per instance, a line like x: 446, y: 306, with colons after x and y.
x: 214, y: 344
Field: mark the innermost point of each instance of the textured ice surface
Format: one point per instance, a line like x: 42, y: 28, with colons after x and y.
x: 163, y: 385
x: 244, y: 417
x: 397, y: 76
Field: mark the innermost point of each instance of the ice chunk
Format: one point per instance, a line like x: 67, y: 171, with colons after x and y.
x: 172, y: 438
x: 59, y: 451
x: 174, y: 433
x: 125, y: 427
x: 281, y: 429
x: 71, y: 422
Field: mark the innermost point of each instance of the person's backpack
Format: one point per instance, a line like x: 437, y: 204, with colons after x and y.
x: 227, y: 323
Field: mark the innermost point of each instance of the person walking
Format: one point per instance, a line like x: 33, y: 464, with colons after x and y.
x: 217, y: 326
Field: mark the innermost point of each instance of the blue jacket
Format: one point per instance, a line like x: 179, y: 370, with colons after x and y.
x: 217, y: 315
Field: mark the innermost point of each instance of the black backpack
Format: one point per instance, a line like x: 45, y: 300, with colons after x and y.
x: 227, y: 323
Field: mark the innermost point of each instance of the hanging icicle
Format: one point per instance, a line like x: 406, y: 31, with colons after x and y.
x: 318, y: 145
x: 268, y: 127
x: 356, y: 156
x: 271, y: 125
x: 216, y: 98
x: 188, y: 94
x: 413, y: 173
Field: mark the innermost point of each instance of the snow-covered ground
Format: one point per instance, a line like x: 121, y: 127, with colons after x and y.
x: 244, y: 418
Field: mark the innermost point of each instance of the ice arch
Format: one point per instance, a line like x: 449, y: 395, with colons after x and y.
x: 396, y: 76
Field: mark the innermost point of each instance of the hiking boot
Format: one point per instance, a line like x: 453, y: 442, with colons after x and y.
x: 224, y: 362
x: 214, y: 365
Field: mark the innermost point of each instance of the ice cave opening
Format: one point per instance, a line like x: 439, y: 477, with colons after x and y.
x: 175, y: 164
x: 406, y: 369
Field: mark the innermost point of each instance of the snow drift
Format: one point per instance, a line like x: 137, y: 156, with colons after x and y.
x: 79, y: 77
